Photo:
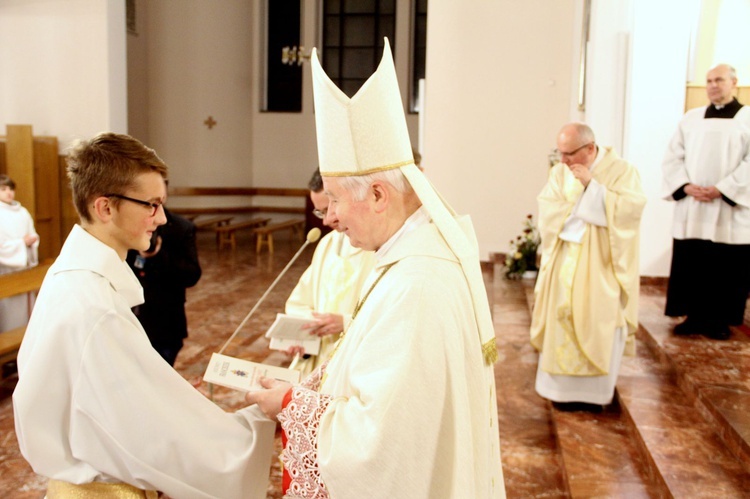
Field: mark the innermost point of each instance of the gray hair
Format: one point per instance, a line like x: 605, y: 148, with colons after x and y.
x: 358, y: 185
x: 730, y: 68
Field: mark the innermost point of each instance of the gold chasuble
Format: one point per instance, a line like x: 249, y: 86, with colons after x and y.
x: 585, y: 291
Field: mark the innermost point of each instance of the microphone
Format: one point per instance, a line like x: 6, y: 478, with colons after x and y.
x: 312, y: 237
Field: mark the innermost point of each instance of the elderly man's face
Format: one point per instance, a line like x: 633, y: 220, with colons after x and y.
x: 355, y: 218
x: 572, y: 150
x: 720, y: 85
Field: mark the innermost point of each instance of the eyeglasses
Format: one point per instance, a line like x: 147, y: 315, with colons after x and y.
x: 320, y: 214
x: 153, y: 206
x: 571, y: 153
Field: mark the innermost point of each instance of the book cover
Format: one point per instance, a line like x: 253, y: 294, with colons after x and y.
x: 244, y: 375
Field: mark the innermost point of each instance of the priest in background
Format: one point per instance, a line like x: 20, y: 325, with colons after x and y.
x: 586, y: 297
x: 707, y: 174
x: 328, y: 290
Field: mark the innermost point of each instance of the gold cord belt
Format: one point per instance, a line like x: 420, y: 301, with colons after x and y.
x: 57, y: 489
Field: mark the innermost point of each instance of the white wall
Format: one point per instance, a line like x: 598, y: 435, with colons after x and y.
x: 195, y: 59
x: 661, y: 40
x: 499, y: 78
x: 198, y: 64
x: 62, y: 66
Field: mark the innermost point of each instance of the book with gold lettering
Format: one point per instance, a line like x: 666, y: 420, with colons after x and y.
x: 244, y: 375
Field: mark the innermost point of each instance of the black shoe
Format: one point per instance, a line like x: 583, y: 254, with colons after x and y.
x: 577, y: 407
x: 718, y: 332
x: 688, y: 327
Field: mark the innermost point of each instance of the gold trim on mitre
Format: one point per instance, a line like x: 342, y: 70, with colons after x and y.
x: 365, y: 133
x: 368, y: 172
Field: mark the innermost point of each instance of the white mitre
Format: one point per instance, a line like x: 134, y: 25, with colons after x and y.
x: 368, y: 134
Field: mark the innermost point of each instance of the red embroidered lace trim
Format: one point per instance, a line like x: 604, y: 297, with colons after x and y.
x: 300, y: 420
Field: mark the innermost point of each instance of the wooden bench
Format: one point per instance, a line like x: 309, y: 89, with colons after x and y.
x: 10, y: 342
x: 265, y: 234
x: 225, y: 234
x: 12, y: 284
x: 212, y: 222
x: 246, y: 196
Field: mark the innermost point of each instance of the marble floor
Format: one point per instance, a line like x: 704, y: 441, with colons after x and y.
x: 679, y: 426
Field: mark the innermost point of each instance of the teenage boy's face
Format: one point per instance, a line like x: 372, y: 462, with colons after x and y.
x: 133, y: 222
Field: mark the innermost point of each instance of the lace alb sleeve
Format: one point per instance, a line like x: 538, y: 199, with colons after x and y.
x: 300, y: 420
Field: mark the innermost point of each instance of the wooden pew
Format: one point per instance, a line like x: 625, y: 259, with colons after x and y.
x: 244, y: 195
x: 16, y: 283
x: 226, y: 233
x: 265, y: 234
x: 212, y: 222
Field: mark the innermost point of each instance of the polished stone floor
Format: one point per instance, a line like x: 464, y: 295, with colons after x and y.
x: 679, y: 427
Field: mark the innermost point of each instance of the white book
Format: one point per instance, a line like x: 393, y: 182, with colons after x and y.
x: 311, y: 346
x: 243, y: 374
x: 287, y: 331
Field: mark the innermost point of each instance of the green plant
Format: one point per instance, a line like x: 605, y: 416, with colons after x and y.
x: 522, y: 254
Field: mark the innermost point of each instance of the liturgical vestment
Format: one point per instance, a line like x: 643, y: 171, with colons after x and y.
x: 406, y: 407
x: 96, y: 403
x: 331, y: 284
x: 586, y: 295
x: 711, y: 147
x: 15, y: 224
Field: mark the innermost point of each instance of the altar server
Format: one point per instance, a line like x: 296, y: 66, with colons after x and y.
x: 19, y: 246
x: 97, y: 409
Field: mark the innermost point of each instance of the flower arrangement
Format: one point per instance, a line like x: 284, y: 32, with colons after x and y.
x: 522, y: 254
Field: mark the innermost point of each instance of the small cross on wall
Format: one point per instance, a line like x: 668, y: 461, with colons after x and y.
x: 210, y: 122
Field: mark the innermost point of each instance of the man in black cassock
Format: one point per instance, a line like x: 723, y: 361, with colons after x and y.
x: 707, y: 174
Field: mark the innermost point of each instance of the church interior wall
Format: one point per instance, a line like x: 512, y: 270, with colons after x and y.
x: 499, y: 77
x: 201, y: 61
x: 502, y: 78
x: 62, y: 67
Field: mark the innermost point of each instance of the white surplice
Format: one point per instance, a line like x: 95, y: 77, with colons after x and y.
x: 710, y: 152
x: 15, y: 224
x: 96, y: 402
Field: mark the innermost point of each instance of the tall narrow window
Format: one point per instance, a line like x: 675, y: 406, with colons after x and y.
x: 353, y: 32
x: 418, y: 51
x: 283, y: 90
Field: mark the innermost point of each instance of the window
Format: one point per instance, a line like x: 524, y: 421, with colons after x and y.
x: 418, y: 51
x: 283, y: 91
x: 353, y: 32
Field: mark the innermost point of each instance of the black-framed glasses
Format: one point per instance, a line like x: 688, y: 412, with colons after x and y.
x: 153, y: 206
x: 319, y: 213
x: 560, y: 154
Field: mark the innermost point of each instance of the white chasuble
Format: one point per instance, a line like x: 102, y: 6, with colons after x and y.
x: 710, y: 152
x: 407, y: 407
x: 588, y: 285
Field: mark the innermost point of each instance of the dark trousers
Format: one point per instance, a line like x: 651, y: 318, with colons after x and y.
x: 709, y: 282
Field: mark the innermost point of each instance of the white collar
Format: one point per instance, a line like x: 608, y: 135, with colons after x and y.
x: 416, y: 219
